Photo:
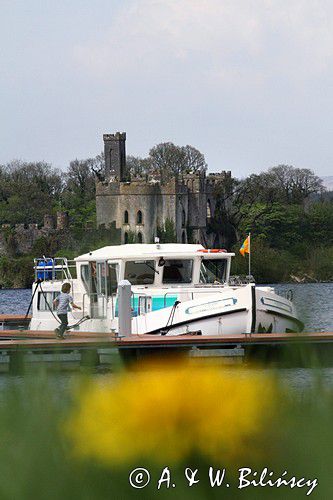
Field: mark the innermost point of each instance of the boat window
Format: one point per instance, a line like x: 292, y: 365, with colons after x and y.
x: 102, y: 274
x: 213, y: 271
x: 177, y: 271
x: 85, y: 276
x: 140, y: 272
x: 112, y: 278
x: 46, y: 298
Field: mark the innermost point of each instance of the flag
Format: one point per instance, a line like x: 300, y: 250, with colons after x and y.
x: 245, y: 248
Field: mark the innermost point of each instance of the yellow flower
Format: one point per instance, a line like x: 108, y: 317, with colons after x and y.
x: 168, y: 412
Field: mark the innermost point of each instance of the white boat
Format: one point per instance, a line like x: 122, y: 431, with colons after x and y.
x: 176, y: 289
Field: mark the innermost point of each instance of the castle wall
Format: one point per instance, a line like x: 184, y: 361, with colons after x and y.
x: 185, y: 201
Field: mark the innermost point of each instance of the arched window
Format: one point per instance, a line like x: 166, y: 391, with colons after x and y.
x: 126, y: 217
x: 126, y: 238
x: 209, y: 210
x: 140, y: 238
x: 183, y: 237
x: 139, y: 217
x: 183, y: 218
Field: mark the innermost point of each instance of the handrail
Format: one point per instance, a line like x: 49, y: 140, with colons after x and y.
x: 48, y: 268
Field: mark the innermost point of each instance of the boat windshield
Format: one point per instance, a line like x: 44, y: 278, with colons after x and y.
x: 140, y: 272
x: 177, y: 271
x: 213, y: 271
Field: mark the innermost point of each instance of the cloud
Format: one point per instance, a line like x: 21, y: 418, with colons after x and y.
x: 226, y: 42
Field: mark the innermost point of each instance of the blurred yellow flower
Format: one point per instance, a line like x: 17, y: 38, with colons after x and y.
x: 169, y: 412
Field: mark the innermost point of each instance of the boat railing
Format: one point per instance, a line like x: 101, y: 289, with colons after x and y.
x: 238, y: 280
x: 54, y: 269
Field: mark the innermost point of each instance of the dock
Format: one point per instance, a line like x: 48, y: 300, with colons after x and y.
x: 21, y: 347
x: 14, y: 321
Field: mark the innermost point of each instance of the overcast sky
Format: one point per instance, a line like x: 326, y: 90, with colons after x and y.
x: 249, y: 83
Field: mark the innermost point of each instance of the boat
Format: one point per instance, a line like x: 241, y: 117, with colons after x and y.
x: 176, y: 289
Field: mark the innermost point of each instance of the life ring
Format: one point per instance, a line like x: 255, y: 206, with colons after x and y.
x: 212, y: 250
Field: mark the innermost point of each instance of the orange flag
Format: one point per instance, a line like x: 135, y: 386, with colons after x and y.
x: 245, y: 248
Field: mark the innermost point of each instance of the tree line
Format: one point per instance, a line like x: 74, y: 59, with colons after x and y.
x: 285, y: 208
x: 29, y: 190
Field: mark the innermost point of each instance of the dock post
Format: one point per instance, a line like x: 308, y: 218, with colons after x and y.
x: 124, y: 307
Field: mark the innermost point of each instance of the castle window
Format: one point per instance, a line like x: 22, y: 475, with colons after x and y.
x: 183, y: 218
x: 139, y: 217
x: 126, y: 217
x: 183, y: 237
x: 140, y: 239
x: 209, y: 210
x: 126, y: 238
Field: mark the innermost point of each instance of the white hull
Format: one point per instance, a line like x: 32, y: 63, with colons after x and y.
x: 222, y: 311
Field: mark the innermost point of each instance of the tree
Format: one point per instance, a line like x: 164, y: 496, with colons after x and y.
x: 292, y: 185
x: 168, y: 160
x: 138, y: 167
x: 97, y: 165
x: 78, y: 196
x: 28, y: 191
x: 252, y: 202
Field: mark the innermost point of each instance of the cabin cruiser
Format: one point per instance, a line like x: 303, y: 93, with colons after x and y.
x: 175, y: 289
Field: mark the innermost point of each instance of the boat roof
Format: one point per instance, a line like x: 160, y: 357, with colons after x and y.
x: 140, y: 250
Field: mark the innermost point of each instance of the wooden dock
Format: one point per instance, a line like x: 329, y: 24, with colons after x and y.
x: 14, y: 321
x: 86, y: 348
x: 16, y: 339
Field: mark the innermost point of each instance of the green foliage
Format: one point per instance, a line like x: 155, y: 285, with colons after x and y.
x: 16, y: 272
x: 37, y: 447
x: 273, y: 265
x: 131, y: 237
x: 28, y: 191
x: 78, y: 196
x: 167, y: 234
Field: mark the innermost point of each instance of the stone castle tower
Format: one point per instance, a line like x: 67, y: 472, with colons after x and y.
x: 139, y: 207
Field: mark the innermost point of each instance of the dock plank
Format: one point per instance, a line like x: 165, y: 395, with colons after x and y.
x: 18, y: 339
x: 7, y: 318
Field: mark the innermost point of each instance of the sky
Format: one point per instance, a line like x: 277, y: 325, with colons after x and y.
x: 247, y: 82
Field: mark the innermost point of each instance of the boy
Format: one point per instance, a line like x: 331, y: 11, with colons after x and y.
x: 62, y: 303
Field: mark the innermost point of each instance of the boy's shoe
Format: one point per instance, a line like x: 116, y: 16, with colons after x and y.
x: 58, y: 334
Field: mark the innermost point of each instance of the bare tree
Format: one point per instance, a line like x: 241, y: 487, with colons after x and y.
x: 138, y: 167
x: 194, y: 160
x: 294, y: 185
x: 169, y: 160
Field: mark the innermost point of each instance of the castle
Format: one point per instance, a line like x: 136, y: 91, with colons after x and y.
x: 141, y: 207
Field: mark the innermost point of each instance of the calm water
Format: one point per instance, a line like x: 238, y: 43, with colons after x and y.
x: 314, y: 302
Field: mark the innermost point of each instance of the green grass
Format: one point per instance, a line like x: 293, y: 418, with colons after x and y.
x: 36, y: 459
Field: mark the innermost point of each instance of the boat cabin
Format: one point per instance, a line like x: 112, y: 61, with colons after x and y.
x: 153, y: 266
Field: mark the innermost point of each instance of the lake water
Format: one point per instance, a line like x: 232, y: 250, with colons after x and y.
x: 314, y: 302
